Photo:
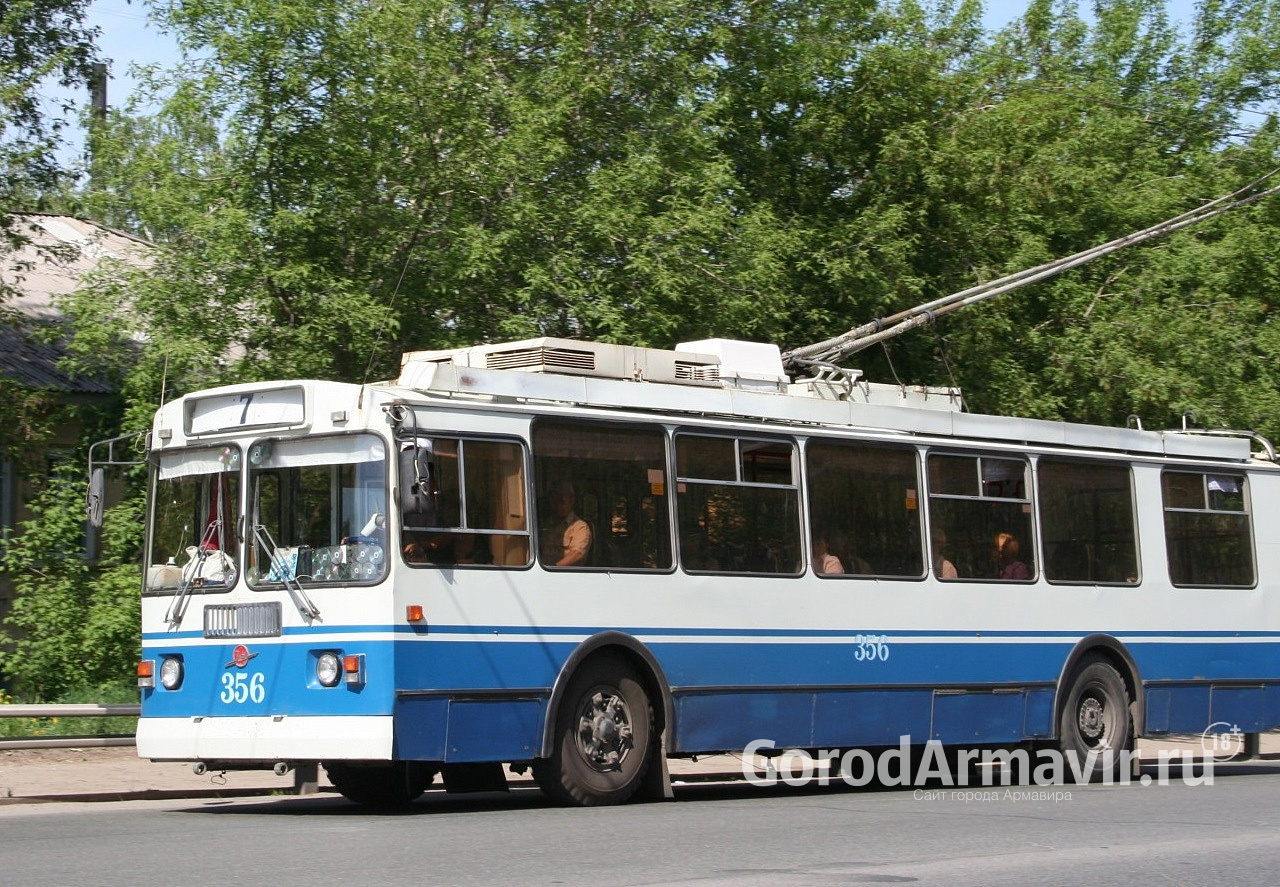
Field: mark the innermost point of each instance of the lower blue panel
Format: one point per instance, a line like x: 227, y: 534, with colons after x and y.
x: 849, y: 718
x: 970, y: 718
x: 1272, y: 718
x: 1038, y: 720
x: 464, y: 730
x: 494, y: 731
x: 730, y: 721
x: 1177, y: 709
x: 1243, y: 708
x: 1194, y: 709
x: 421, y: 728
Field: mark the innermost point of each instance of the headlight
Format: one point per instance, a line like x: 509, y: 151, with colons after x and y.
x: 328, y: 669
x: 171, y: 673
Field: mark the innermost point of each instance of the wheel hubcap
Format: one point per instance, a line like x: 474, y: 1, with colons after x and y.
x: 604, y: 731
x: 1092, y: 724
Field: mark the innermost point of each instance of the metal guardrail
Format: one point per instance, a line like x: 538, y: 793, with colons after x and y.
x: 71, y: 710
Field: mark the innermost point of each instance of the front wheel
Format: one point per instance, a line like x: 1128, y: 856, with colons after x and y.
x: 603, y: 734
x: 1095, y: 719
x: 384, y: 785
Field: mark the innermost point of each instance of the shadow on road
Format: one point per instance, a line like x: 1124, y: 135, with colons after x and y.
x: 527, y: 797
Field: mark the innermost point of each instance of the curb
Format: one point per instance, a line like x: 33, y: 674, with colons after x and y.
x: 155, y: 794
x: 149, y: 794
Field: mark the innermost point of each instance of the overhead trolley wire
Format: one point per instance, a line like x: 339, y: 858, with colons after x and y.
x: 831, y: 351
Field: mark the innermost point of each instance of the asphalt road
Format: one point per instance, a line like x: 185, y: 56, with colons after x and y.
x: 712, y: 835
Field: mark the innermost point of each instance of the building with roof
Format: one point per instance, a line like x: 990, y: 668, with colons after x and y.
x: 52, y: 256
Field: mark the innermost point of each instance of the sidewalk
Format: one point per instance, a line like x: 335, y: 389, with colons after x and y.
x: 111, y: 774
x: 116, y: 774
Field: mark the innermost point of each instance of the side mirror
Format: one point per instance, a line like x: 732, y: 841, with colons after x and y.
x: 416, y: 484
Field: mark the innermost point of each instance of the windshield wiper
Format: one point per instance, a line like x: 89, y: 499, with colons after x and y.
x: 281, y: 567
x: 193, y: 572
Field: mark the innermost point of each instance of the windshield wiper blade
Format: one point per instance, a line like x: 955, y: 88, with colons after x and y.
x: 306, y: 607
x: 193, y: 574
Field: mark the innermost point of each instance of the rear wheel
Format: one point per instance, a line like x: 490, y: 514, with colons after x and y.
x: 1095, y: 718
x: 392, y: 784
x: 604, y: 731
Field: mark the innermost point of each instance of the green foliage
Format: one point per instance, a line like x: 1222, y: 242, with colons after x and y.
x: 41, y: 42
x: 1075, y: 135
x: 29, y: 417
x: 69, y: 629
x: 330, y: 184
x: 333, y: 184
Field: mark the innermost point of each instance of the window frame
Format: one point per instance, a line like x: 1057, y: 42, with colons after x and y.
x: 812, y: 443
x: 465, y: 529
x: 1245, y: 512
x: 1042, y: 523
x: 1028, y: 541
x: 795, y: 486
x: 539, y: 477
x: 233, y: 453
x: 263, y: 449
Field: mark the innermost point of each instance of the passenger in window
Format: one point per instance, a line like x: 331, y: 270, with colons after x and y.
x: 416, y: 547
x: 823, y: 560
x: 1005, y: 555
x: 847, y: 551
x: 567, y: 542
x: 439, y: 548
x: 942, y: 568
x: 696, y: 552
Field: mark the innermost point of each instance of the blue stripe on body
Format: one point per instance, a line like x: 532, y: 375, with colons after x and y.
x: 727, y: 692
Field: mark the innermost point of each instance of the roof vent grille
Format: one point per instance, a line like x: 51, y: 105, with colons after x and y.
x: 575, y: 357
x: 543, y: 358
x: 697, y: 372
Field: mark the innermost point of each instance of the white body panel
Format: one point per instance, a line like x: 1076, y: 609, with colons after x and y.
x: 279, y: 738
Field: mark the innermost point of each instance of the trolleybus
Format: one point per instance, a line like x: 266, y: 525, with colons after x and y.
x: 584, y: 559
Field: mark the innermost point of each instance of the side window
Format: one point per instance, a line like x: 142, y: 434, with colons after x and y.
x: 468, y: 504
x: 1207, y: 529
x: 864, y: 517
x: 980, y: 518
x: 1087, y: 522
x: 602, y: 496
x: 738, y: 505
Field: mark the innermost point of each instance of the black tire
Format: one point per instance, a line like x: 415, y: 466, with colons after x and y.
x: 382, y: 785
x: 603, y: 736
x: 1095, y: 717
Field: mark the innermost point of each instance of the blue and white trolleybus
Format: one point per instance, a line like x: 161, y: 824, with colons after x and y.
x: 584, y: 559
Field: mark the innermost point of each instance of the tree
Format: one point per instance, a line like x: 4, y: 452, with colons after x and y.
x: 73, y: 625
x: 338, y: 183
x: 41, y: 42
x: 1071, y: 135
x: 332, y: 183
